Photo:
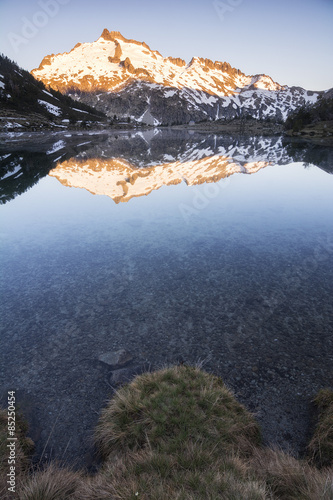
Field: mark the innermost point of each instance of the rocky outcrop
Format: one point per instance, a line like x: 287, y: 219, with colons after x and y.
x: 117, y: 54
x: 177, y: 61
x: 46, y: 61
x: 128, y: 65
x: 112, y: 35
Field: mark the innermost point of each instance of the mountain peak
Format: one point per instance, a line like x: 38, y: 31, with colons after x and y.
x: 113, y: 63
x: 112, y: 35
x: 114, y: 60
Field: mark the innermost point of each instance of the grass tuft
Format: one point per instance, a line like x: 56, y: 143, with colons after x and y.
x: 52, y: 483
x: 173, y: 407
x: 180, y: 433
x: 321, y: 444
x: 291, y: 479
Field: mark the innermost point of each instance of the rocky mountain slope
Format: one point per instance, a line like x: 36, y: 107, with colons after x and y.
x: 26, y: 103
x: 126, y: 78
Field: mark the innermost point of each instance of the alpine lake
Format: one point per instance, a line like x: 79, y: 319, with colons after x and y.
x: 130, y: 250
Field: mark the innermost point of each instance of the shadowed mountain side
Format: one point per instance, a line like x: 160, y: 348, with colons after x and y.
x: 311, y: 154
x: 22, y: 165
x: 26, y: 104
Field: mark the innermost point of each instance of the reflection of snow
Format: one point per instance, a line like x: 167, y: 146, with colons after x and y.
x: 9, y: 174
x: 121, y: 181
x: 56, y: 146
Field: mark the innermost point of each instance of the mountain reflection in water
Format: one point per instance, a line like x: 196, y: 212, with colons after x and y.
x: 121, y: 180
x: 132, y: 164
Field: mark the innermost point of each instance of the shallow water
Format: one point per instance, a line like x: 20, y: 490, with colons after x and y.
x: 230, y: 265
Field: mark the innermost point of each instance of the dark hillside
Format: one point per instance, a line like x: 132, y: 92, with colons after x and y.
x: 26, y: 103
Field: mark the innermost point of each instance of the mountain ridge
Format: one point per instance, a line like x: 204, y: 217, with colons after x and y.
x: 124, y: 77
x: 120, y: 52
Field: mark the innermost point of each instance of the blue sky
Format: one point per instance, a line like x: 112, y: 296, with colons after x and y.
x: 290, y: 40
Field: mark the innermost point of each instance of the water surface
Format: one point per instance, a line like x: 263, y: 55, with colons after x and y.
x: 215, y: 249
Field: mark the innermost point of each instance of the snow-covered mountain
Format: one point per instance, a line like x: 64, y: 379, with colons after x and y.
x: 126, y: 78
x: 113, y: 61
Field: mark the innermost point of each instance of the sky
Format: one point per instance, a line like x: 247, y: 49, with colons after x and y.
x: 289, y: 40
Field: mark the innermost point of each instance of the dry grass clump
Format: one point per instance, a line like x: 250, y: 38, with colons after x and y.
x: 177, y: 433
x: 52, y: 483
x: 173, y: 407
x: 149, y: 475
x: 321, y: 444
x: 291, y: 479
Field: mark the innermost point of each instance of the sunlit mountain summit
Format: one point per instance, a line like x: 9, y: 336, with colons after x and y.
x: 126, y: 78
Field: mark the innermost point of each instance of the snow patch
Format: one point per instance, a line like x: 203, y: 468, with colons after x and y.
x: 56, y: 146
x: 48, y: 93
x: 51, y: 108
x: 80, y: 111
x: 169, y: 93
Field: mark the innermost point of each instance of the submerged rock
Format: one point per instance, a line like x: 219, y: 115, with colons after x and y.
x: 116, y: 359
